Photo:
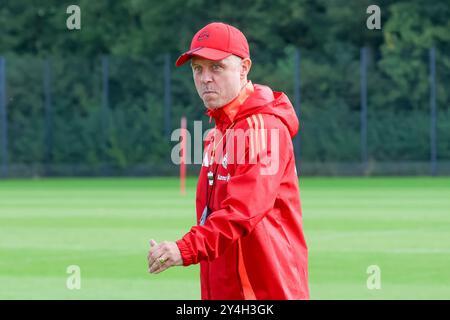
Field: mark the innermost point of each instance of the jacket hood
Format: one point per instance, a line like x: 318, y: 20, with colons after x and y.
x: 264, y: 101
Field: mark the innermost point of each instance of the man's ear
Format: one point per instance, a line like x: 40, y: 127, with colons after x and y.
x: 246, y: 64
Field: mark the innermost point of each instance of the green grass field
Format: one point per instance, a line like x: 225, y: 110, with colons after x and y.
x: 103, y: 226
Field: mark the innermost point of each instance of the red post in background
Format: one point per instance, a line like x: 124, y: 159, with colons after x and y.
x: 183, y: 157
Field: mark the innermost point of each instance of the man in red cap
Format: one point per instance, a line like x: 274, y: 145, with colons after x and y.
x: 249, y: 236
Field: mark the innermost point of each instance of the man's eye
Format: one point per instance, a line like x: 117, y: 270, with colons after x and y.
x: 216, y: 67
x: 197, y: 69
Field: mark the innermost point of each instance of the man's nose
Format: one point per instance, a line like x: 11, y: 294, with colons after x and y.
x: 206, y: 76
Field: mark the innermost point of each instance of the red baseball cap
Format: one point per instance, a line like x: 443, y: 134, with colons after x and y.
x: 216, y: 41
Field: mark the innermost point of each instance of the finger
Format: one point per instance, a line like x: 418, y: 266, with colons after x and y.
x: 152, y: 246
x: 154, y: 253
x: 157, y: 263
x: 160, y: 267
x: 163, y: 268
x: 153, y: 259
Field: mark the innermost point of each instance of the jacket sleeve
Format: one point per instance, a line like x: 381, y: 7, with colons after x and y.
x: 251, y: 194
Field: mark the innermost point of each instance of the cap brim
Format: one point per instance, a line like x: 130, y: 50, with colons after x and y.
x: 207, y: 53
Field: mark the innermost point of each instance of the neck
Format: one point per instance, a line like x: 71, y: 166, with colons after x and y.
x: 243, y: 84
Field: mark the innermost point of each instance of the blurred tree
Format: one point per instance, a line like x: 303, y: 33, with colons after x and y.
x: 136, y: 34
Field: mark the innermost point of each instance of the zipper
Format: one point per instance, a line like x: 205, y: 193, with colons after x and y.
x: 208, y: 286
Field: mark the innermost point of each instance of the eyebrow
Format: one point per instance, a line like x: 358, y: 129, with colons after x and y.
x: 220, y: 63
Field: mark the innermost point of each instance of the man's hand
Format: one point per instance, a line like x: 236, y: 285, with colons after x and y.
x: 162, y: 256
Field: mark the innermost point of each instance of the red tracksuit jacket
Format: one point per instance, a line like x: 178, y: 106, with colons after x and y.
x: 252, y: 245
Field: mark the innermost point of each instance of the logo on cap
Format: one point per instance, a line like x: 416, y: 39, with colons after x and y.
x: 203, y: 36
